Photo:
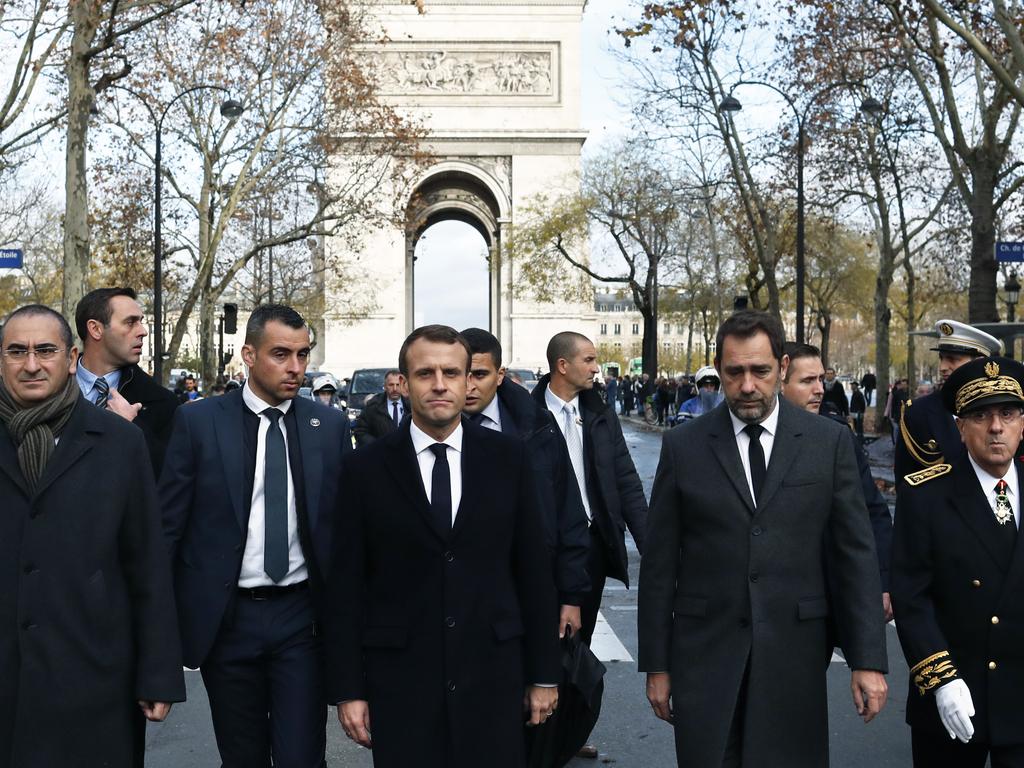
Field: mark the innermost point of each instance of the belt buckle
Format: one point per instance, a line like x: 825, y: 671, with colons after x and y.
x: 255, y: 595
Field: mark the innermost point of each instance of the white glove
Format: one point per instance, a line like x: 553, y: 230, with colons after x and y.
x: 956, y: 708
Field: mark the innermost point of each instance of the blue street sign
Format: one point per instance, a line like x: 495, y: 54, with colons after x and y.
x: 1009, y: 251
x: 11, y: 258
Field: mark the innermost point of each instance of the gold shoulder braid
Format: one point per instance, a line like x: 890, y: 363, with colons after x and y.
x: 925, y: 455
x: 933, y: 672
x: 929, y: 473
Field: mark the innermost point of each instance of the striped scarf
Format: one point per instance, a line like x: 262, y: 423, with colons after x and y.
x: 35, y: 429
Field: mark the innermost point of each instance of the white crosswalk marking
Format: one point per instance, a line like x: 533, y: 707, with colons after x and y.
x: 605, y: 644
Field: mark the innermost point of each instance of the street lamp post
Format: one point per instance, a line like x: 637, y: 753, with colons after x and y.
x: 230, y: 109
x: 1012, y: 289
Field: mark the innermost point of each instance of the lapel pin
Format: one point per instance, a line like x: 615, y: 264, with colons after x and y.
x: 314, y: 422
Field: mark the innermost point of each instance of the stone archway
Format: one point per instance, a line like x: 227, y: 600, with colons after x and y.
x: 456, y: 191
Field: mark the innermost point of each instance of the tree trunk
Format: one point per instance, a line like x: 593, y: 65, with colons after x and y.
x: 76, y: 189
x: 912, y: 315
x: 689, y: 341
x: 981, y: 306
x: 883, y: 316
x: 649, y: 345
x: 825, y: 327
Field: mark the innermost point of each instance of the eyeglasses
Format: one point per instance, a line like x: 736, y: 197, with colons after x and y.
x: 1007, y: 415
x: 20, y: 354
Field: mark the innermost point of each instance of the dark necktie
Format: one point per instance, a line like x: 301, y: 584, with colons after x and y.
x: 394, y: 412
x: 275, y: 500
x: 755, y: 452
x: 103, y: 392
x: 477, y: 418
x: 441, y: 488
x: 1004, y: 512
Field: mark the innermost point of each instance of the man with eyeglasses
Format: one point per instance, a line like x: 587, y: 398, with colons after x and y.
x: 88, y: 635
x: 957, y: 575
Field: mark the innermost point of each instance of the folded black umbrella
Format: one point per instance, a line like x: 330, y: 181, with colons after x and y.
x: 557, y: 741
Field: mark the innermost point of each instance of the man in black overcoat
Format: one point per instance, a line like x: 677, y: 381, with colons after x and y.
x: 88, y: 635
x: 440, y: 631
x: 958, y: 577
x: 750, y: 502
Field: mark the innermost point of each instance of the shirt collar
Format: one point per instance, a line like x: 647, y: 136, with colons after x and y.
x: 391, y: 404
x: 88, y: 378
x: 989, y: 481
x: 770, y: 423
x: 493, y: 411
x: 421, y: 441
x: 257, y: 405
x: 557, y: 404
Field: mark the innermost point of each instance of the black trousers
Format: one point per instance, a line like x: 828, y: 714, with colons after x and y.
x: 264, y: 678
x: 939, y: 751
x: 597, y: 567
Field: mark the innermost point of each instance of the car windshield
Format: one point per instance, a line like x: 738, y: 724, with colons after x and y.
x: 524, y: 374
x: 367, y: 381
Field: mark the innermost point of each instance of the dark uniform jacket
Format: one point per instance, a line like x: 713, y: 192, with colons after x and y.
x: 440, y: 630
x: 206, y: 491
x: 956, y: 588
x: 566, y: 530
x: 87, y: 623
x: 374, y: 420
x: 156, y: 417
x: 928, y: 436
x: 727, y: 587
x: 614, y: 490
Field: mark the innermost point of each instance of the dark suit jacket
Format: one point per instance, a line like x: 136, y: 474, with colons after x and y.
x: 374, y: 420
x: 928, y: 436
x: 952, y: 572
x: 87, y: 624
x: 441, y: 631
x: 157, y: 415
x: 725, y: 587
x: 614, y: 490
x: 206, y: 502
x: 565, y: 521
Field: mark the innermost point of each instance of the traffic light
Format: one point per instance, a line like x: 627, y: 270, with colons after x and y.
x: 230, y: 318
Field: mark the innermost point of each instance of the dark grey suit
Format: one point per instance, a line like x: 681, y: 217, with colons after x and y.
x: 727, y: 590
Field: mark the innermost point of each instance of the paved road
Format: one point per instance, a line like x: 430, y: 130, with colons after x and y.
x: 628, y: 735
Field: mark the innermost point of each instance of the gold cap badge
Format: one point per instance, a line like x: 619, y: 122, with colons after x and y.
x: 992, y: 369
x: 946, y: 329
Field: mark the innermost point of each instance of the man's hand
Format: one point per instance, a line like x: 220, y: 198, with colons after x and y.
x: 354, y: 717
x: 887, y: 606
x: 541, y: 703
x: 120, y: 406
x: 570, y: 614
x: 155, y: 711
x: 956, y: 708
x: 659, y: 693
x: 869, y: 692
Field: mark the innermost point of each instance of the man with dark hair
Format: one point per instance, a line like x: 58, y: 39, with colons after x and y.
x: 927, y: 433
x: 803, y: 387
x: 250, y: 489
x: 441, y: 595
x: 111, y: 325
x: 498, y: 404
x: 602, y: 468
x: 958, y: 576
x: 834, y: 393
x: 87, y: 630
x: 383, y: 412
x: 749, y: 503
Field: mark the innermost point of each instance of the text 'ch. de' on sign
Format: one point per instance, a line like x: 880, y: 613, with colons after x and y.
x: 1009, y: 251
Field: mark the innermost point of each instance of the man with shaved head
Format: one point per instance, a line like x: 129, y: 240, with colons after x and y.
x: 613, y: 497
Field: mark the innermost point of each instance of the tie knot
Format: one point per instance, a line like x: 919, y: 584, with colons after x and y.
x: 440, y: 450
x: 754, y: 431
x: 101, y: 384
x: 273, y: 414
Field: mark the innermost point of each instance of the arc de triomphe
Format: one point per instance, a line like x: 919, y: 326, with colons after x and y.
x: 497, y: 86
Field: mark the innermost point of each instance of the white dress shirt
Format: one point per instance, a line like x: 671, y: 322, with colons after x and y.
x: 421, y: 443
x: 491, y: 415
x: 252, y: 573
x: 557, y: 405
x: 391, y: 409
x: 771, y: 426
x: 988, y: 485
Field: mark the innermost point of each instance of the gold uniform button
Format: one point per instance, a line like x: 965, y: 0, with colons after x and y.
x: 995, y: 619
x: 991, y: 665
x: 975, y: 583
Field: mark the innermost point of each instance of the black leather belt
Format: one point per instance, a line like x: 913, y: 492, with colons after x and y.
x: 269, y: 593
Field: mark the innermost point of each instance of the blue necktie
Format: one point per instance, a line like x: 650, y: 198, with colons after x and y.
x: 103, y: 392
x: 441, y: 488
x: 394, y: 412
x: 275, y: 500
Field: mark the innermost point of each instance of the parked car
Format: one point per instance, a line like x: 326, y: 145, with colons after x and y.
x: 364, y: 384
x: 525, y: 375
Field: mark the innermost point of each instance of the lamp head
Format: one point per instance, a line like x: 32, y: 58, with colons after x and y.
x: 872, y: 107
x: 231, y: 109
x: 730, y: 104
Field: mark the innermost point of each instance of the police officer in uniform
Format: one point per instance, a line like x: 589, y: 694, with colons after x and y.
x: 957, y: 576
x: 928, y: 434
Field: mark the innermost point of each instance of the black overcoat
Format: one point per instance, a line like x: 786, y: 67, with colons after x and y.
x: 440, y: 632
x: 87, y: 621
x: 956, y: 591
x: 156, y: 417
x: 724, y: 584
x: 927, y: 436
